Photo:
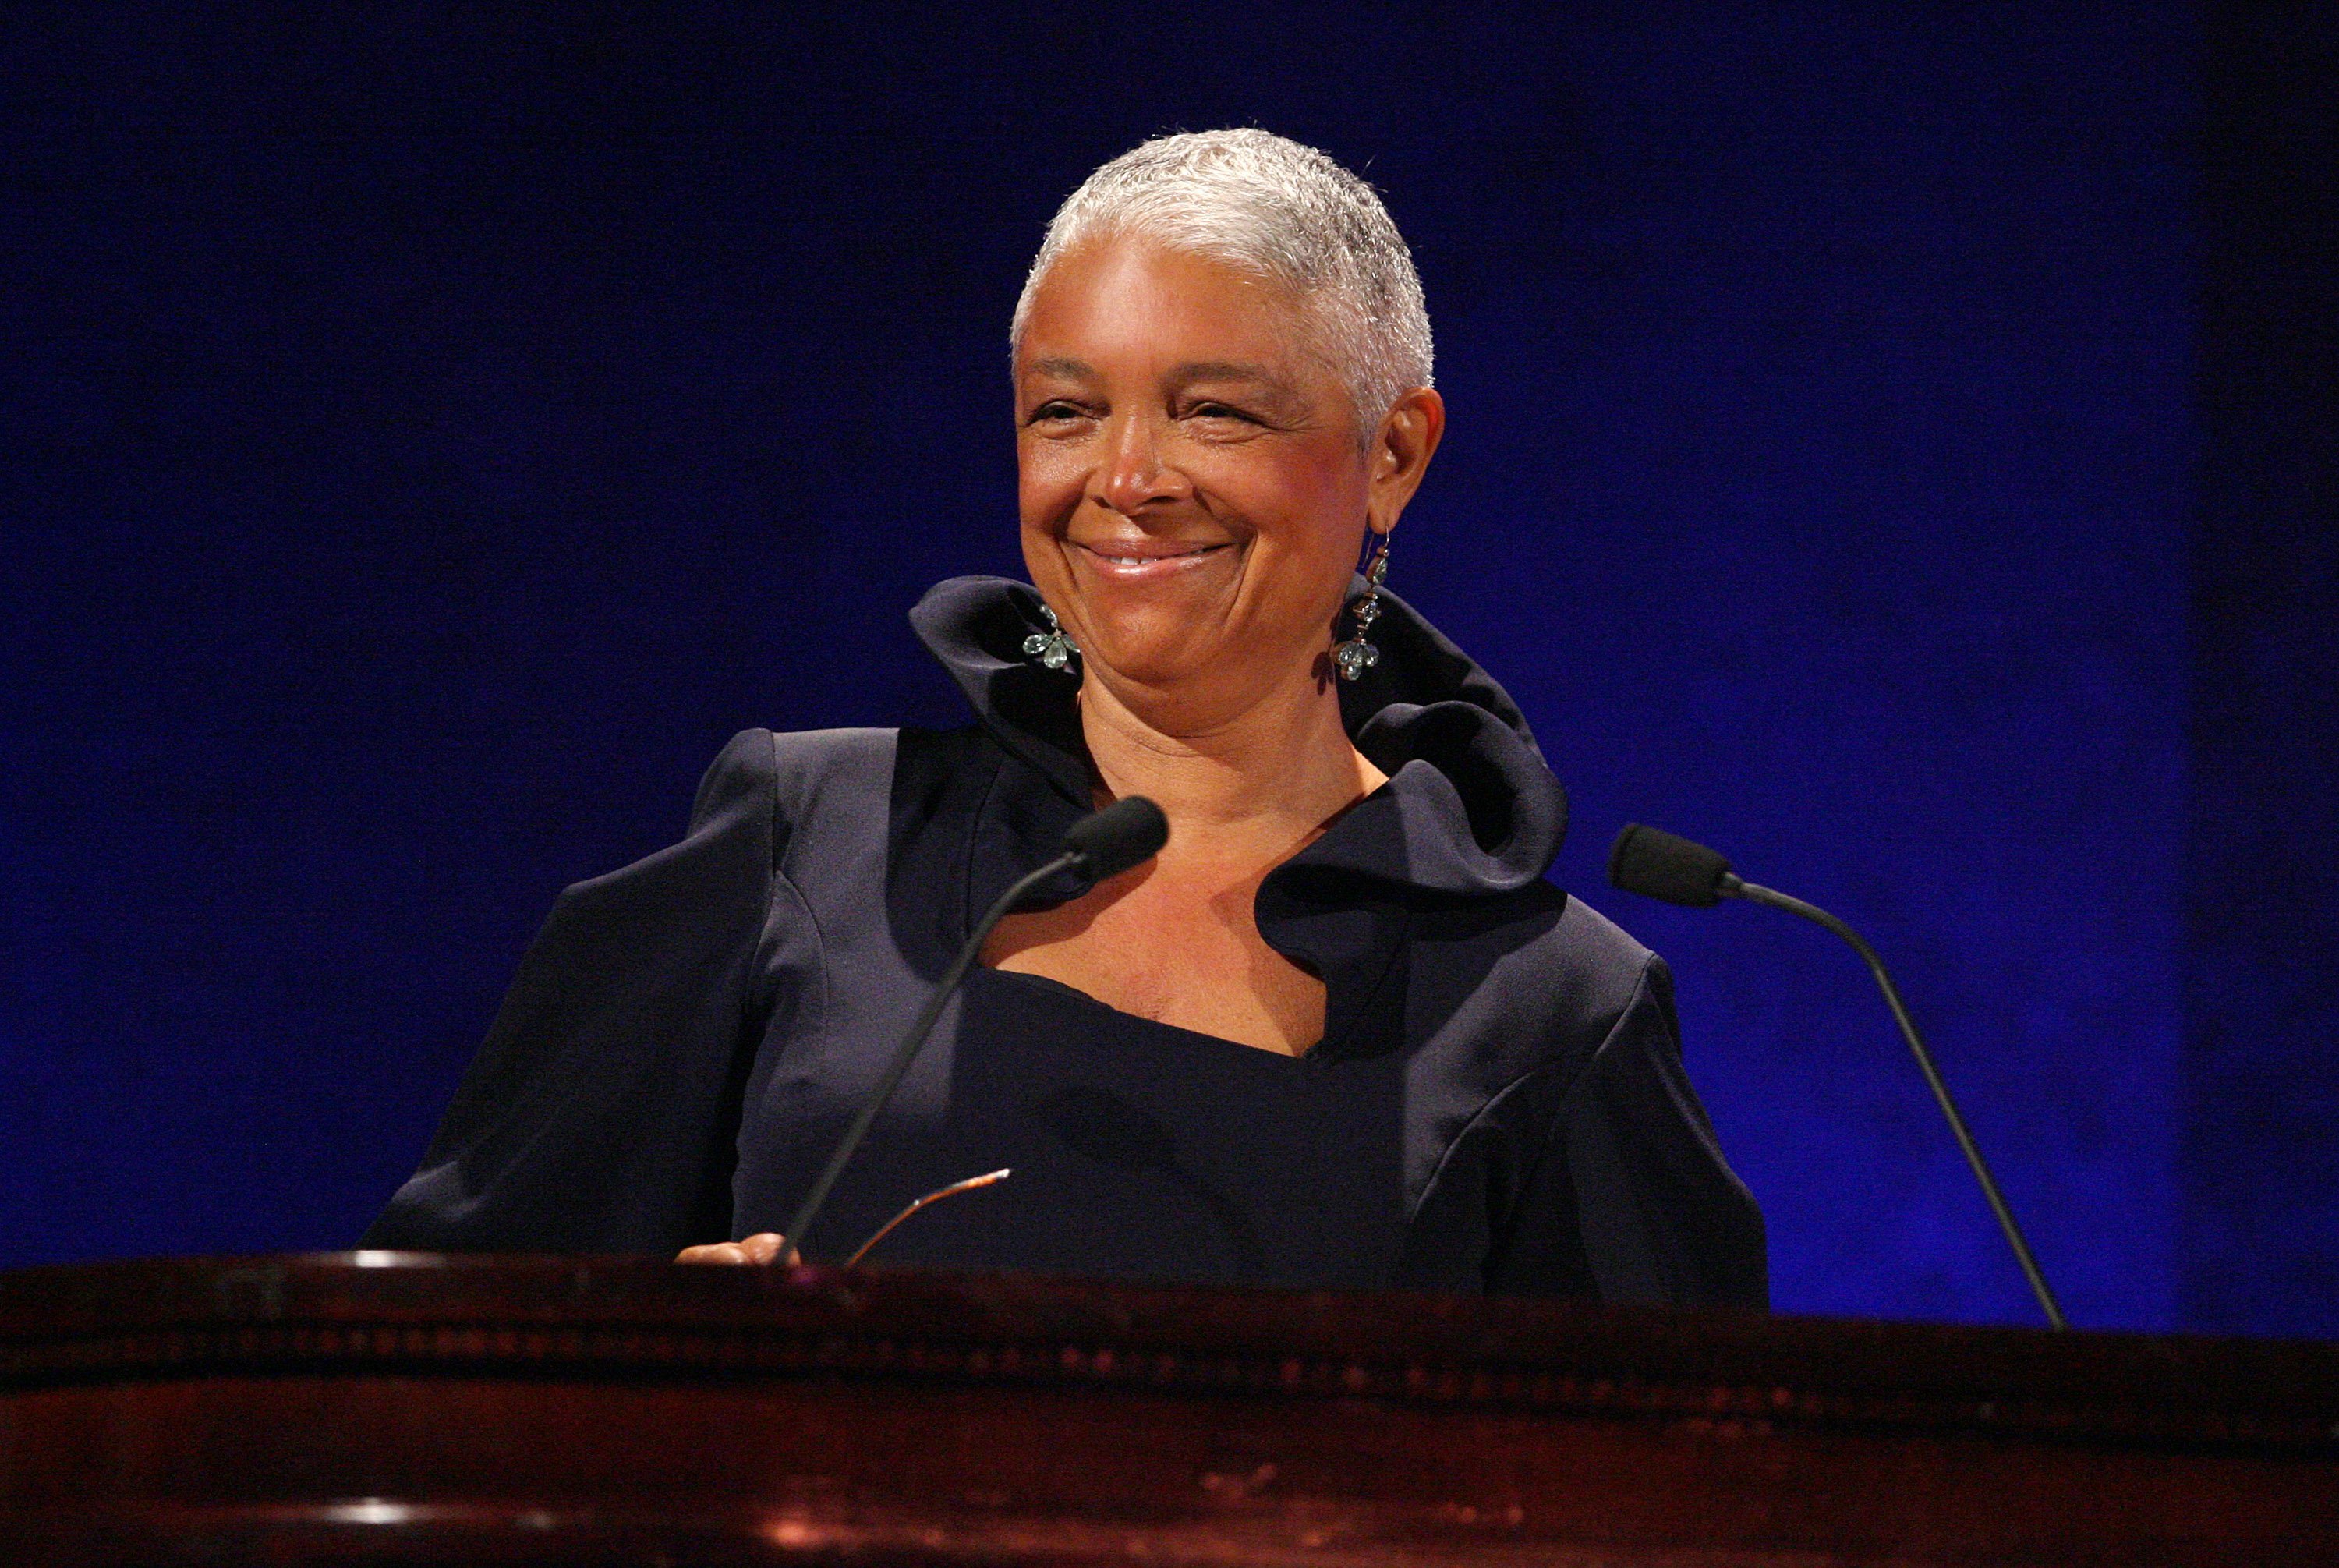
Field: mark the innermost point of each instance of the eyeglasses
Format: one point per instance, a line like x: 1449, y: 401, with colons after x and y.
x: 987, y: 1180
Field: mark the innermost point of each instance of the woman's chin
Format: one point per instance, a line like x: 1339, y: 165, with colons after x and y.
x: 1162, y: 657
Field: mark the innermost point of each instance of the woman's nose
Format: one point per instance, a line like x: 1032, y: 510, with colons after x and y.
x: 1135, y: 471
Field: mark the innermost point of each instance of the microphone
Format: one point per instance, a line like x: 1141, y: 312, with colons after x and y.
x: 1658, y: 865
x: 1103, y: 844
x: 1663, y: 865
x: 1107, y: 842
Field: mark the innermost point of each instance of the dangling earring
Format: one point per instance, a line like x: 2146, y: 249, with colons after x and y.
x: 1051, y: 647
x: 1356, y: 655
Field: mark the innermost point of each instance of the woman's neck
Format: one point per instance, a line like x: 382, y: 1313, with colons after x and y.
x: 1249, y: 782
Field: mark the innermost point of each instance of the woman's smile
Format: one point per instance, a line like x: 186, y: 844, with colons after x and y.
x: 1144, y: 560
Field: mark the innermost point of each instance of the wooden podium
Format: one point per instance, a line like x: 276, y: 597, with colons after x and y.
x: 399, y: 1408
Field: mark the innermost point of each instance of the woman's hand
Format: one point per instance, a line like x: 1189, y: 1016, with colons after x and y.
x: 766, y: 1246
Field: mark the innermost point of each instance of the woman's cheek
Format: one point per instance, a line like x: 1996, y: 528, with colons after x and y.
x: 1049, y: 480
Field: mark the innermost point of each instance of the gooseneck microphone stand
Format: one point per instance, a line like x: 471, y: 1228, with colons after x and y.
x: 1753, y: 892
x: 1104, y: 843
x: 1663, y: 865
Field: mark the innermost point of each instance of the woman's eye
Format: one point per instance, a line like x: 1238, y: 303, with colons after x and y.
x: 1054, y: 410
x: 1219, y: 411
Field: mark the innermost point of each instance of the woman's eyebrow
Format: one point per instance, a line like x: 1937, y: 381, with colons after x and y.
x: 1063, y: 368
x: 1227, y: 370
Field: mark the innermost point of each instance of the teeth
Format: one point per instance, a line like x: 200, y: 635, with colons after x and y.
x: 1148, y: 560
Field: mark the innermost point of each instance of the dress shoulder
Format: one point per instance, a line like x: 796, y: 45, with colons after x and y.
x: 1602, y: 967
x: 790, y: 770
x: 825, y: 791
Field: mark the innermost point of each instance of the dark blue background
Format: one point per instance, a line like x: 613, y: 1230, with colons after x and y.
x: 426, y: 432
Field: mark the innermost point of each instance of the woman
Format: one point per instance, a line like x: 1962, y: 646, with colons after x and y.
x: 1339, y: 1033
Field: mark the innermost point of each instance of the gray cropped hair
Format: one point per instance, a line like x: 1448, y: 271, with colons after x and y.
x: 1273, y: 207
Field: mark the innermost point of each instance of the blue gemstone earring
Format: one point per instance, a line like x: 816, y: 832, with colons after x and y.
x: 1356, y: 656
x: 1051, y: 647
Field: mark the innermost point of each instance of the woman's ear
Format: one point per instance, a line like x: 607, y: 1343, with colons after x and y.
x: 1408, y: 436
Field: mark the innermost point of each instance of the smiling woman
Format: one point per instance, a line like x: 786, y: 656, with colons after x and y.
x: 1339, y: 1033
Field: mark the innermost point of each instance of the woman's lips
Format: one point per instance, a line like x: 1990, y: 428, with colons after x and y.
x: 1144, y: 561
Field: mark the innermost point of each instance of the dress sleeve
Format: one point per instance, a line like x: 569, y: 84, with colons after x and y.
x: 602, y: 1113
x: 1631, y: 1194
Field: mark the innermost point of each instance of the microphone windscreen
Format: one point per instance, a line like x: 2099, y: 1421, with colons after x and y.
x: 1125, y: 833
x: 1659, y: 864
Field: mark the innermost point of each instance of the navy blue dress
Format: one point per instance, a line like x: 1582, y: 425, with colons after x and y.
x: 1497, y: 1104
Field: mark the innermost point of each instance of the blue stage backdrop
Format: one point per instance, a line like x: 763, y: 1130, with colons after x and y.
x: 426, y: 437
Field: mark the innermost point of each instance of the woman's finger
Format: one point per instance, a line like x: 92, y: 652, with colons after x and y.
x: 765, y: 1247
x: 713, y: 1252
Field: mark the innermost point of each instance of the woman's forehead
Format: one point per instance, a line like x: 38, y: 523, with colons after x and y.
x: 1131, y: 305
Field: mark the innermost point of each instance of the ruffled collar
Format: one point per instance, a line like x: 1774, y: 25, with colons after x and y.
x: 1470, y: 807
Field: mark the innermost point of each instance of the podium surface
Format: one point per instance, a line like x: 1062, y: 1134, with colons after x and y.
x: 402, y: 1408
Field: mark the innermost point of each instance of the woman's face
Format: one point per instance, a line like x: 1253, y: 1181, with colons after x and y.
x: 1194, y: 492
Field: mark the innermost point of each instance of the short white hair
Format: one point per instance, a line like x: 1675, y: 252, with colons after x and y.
x: 1277, y: 208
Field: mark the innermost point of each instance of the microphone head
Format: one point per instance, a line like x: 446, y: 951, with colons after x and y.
x: 1658, y: 865
x: 1125, y: 833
